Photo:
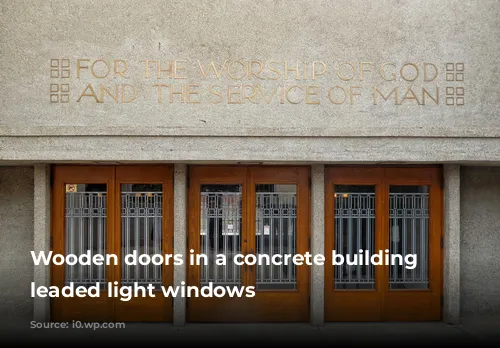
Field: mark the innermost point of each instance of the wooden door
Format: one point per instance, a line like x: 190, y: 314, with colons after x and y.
x: 112, y: 210
x: 83, y: 219
x: 395, y: 212
x: 347, y: 299
x: 249, y: 211
x: 415, y: 224
x: 144, y: 216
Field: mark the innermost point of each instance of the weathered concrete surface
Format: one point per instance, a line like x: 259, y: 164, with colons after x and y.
x: 480, y: 241
x: 16, y: 242
x: 336, y: 33
x: 234, y: 149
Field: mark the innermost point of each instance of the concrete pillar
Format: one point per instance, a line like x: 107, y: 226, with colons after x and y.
x: 180, y: 237
x: 317, y: 243
x: 451, y: 267
x: 41, y: 230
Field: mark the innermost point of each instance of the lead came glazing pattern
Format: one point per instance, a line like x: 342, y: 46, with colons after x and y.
x: 220, y: 232
x: 276, y: 231
x: 141, y: 227
x: 409, y: 223
x: 85, y: 229
x: 354, y: 230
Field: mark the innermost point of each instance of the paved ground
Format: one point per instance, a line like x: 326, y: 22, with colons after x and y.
x: 473, y: 331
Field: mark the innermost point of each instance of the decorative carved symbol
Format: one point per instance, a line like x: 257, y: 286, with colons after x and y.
x: 455, y: 96
x: 59, y: 68
x: 59, y: 93
x: 455, y: 72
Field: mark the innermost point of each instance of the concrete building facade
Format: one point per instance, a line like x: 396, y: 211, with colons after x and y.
x: 320, y: 96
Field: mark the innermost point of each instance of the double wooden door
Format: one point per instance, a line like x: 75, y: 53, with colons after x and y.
x: 249, y: 211
x: 393, y: 212
x: 112, y: 210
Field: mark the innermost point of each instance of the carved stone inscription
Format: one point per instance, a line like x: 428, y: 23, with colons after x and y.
x: 253, y: 81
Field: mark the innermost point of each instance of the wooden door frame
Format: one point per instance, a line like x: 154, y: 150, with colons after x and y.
x: 63, y: 308
x: 248, y: 176
x: 429, y: 298
x: 213, y: 309
x: 368, y: 301
x: 297, y: 301
x: 212, y: 175
x: 137, y: 308
x: 109, y: 175
x: 388, y: 300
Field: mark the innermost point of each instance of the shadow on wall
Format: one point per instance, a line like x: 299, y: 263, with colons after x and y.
x: 480, y: 241
x: 16, y: 242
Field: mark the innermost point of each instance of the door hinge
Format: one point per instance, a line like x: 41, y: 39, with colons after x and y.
x: 309, y: 300
x: 309, y: 242
x: 187, y: 180
x: 310, y: 182
x: 442, y: 242
x: 51, y: 242
x: 442, y: 301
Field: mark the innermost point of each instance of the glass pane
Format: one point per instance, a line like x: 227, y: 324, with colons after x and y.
x: 141, y: 229
x: 85, y: 230
x: 276, y: 231
x: 354, y: 236
x: 220, y: 232
x: 409, y: 237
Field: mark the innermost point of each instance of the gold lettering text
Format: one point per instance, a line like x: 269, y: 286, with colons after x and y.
x: 216, y: 93
x: 352, y: 72
x: 277, y: 72
x: 147, y: 62
x: 92, y: 69
x: 311, y: 91
x: 105, y: 91
x: 117, y: 71
x: 354, y: 91
x: 132, y: 97
x: 231, y: 93
x: 288, y: 95
x: 91, y: 93
x: 251, y: 71
x: 79, y: 66
x: 409, y: 95
x: 190, y: 93
x: 315, y: 71
x: 250, y: 96
x: 296, y: 69
x: 212, y: 67
x: 161, y: 69
x: 435, y: 99
x: 383, y: 72
x: 331, y: 95
x: 376, y: 92
x: 409, y: 76
x: 364, y: 67
x: 230, y: 72
x: 177, y: 68
x: 264, y: 95
x: 430, y: 76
